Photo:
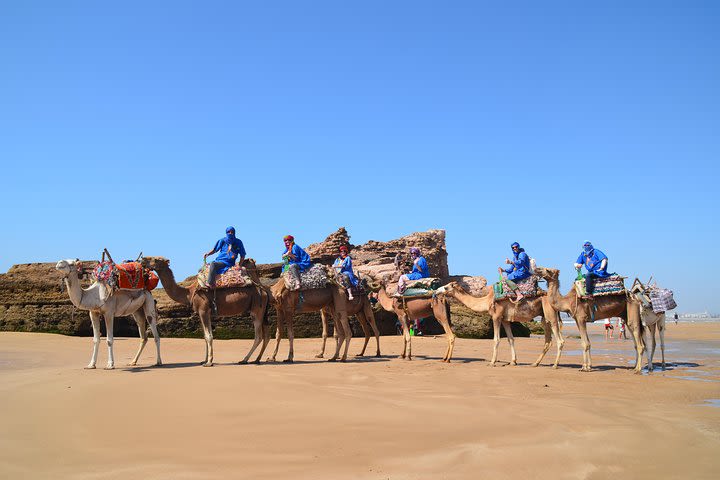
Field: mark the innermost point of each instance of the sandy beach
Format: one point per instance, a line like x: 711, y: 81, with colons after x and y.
x: 374, y: 418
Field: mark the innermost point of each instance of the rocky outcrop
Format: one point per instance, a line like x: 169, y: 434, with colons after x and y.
x: 32, y: 298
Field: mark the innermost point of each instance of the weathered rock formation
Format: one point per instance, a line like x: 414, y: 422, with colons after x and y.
x: 33, y: 299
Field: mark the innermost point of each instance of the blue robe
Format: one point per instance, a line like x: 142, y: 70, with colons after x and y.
x: 229, y: 250
x: 346, y: 268
x: 520, y: 268
x: 420, y: 269
x: 302, y: 259
x: 592, y: 261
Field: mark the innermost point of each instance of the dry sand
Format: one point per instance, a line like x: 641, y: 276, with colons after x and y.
x: 372, y: 418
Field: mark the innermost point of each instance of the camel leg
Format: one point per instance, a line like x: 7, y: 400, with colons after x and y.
x: 548, y: 342
x: 559, y: 340
x: 151, y: 314
x: 141, y: 322
x: 661, y: 331
x: 257, y: 317
x: 441, y: 314
x: 633, y: 323
x: 205, y: 319
x: 338, y: 335
x: 496, y: 340
x: 95, y: 319
x: 406, y: 336
x: 345, y: 322
x: 324, y: 320
x: 109, y: 323
x: 291, y: 339
x: 585, y: 340
x: 278, y: 333
x: 651, y: 347
x: 511, y: 340
x: 370, y: 317
x: 366, y: 331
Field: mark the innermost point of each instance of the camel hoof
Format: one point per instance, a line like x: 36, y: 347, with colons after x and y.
x: 344, y: 359
x: 319, y: 355
x: 242, y: 362
x: 534, y: 364
x: 110, y: 367
x: 333, y: 359
x: 513, y: 364
x: 408, y: 358
x: 360, y: 355
x: 208, y: 364
x: 257, y: 362
x: 90, y: 367
x: 555, y: 366
x: 131, y: 364
x: 158, y: 364
x: 378, y: 355
x: 288, y: 360
x: 271, y: 360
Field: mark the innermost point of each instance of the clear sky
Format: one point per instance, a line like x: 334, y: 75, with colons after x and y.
x: 153, y: 125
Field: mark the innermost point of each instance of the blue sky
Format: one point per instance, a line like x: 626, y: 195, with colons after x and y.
x: 153, y: 125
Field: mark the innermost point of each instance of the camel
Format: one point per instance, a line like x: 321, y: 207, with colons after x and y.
x: 410, y: 309
x: 653, y: 321
x: 504, y: 311
x: 330, y: 300
x: 361, y: 308
x: 99, y: 299
x: 579, y: 308
x: 252, y: 299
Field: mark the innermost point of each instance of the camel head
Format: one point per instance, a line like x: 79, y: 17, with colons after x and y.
x: 549, y: 274
x: 153, y: 263
x: 369, y: 283
x: 450, y: 289
x: 67, y: 266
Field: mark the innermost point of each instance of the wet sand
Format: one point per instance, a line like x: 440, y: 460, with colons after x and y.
x: 375, y: 418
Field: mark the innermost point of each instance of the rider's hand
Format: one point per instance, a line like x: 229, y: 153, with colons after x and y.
x: 508, y: 261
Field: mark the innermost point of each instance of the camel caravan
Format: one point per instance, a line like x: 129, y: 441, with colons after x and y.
x: 229, y: 285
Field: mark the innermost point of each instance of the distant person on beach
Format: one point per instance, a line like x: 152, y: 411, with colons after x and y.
x: 230, y: 249
x: 595, y: 262
x: 420, y: 269
x: 519, y: 269
x: 608, y: 329
x: 676, y: 318
x: 621, y: 329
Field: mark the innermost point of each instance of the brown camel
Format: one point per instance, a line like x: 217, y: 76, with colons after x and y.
x: 411, y: 309
x: 361, y: 308
x: 330, y: 300
x: 604, y: 307
x: 504, y: 311
x: 254, y: 300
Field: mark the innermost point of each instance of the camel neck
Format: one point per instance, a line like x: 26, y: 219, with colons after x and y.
x: 72, y: 282
x: 174, y: 291
x: 479, y: 304
x: 385, y: 301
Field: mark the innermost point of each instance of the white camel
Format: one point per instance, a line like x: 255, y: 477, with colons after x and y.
x: 653, y: 321
x: 99, y: 299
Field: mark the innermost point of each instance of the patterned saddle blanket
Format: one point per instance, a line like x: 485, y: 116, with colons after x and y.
x: 314, y: 277
x: 129, y: 275
x: 234, y: 277
x: 429, y: 283
x: 528, y: 287
x: 612, y: 285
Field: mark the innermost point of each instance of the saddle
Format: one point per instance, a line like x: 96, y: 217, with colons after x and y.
x: 127, y: 276
x: 233, y: 277
x: 528, y: 287
x: 314, y: 277
x: 652, y: 296
x: 612, y: 285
